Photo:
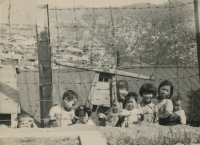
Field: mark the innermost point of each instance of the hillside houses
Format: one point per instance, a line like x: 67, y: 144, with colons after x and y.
x: 70, y: 54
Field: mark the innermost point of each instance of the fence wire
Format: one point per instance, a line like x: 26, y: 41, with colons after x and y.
x: 152, y: 40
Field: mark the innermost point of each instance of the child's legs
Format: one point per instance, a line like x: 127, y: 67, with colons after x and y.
x: 164, y: 121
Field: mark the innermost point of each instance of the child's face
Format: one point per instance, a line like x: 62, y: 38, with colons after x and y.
x: 131, y: 104
x: 177, y: 105
x: 68, y: 105
x: 164, y: 92
x: 84, y: 119
x: 147, y: 97
x: 25, y: 122
x: 122, y: 92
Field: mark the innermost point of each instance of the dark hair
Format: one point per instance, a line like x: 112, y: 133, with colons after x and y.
x: 24, y: 116
x: 131, y: 95
x: 122, y: 84
x: 176, y: 99
x: 70, y: 95
x: 81, y: 111
x: 166, y: 83
x: 148, y: 88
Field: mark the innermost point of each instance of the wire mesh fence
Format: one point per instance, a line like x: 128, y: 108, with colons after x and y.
x: 153, y: 40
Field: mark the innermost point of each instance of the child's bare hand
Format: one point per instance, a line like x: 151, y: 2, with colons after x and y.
x: 101, y: 115
x: 124, y: 113
x: 174, y: 115
x: 52, y: 118
x: 75, y: 119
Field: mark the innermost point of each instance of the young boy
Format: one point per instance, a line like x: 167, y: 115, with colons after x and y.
x: 105, y: 114
x: 131, y: 113
x: 164, y: 104
x: 26, y: 121
x: 178, y: 115
x: 83, y: 113
x: 149, y: 110
x: 64, y: 115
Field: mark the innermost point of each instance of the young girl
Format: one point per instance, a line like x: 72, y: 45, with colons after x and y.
x: 178, y: 115
x: 164, y: 104
x: 108, y: 116
x: 131, y: 114
x: 82, y: 113
x: 149, y: 110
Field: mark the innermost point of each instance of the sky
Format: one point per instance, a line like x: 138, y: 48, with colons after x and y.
x: 24, y: 11
x: 97, y: 3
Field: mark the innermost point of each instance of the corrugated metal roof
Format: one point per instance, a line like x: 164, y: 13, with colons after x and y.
x: 81, y: 81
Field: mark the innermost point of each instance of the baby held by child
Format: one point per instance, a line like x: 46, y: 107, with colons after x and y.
x: 169, y: 111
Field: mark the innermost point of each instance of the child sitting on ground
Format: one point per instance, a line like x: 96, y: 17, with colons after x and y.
x: 26, y: 121
x: 178, y: 115
x: 83, y: 113
x: 131, y: 113
x: 164, y: 104
x: 62, y: 116
x: 149, y: 110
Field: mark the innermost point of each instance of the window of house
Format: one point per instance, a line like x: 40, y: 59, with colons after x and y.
x: 5, y: 119
x: 104, y: 77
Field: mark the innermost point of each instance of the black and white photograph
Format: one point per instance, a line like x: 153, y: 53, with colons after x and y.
x: 99, y: 72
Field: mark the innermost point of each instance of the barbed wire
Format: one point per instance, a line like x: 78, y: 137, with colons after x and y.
x: 123, y: 8
x: 80, y: 85
x: 55, y: 82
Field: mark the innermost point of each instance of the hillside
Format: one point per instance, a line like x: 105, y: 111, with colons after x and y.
x: 143, y: 33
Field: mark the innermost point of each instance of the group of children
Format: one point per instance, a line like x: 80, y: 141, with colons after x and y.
x: 124, y: 112
x: 166, y: 110
x: 163, y: 109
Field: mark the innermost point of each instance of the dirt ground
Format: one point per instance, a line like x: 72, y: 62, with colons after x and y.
x: 147, y: 130
x: 39, y: 141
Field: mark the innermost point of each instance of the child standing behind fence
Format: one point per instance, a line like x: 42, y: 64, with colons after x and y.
x: 64, y: 115
x: 149, y: 110
x: 83, y: 115
x: 164, y: 104
x: 131, y: 114
x: 105, y: 114
x: 26, y: 121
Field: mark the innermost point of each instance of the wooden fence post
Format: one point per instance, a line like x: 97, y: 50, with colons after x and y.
x: 118, y: 58
x: 44, y: 59
x: 197, y: 15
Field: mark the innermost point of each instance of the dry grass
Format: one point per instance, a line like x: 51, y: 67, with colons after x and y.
x: 171, y: 138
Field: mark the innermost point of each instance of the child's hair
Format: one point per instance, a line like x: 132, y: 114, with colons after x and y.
x: 82, y: 110
x: 176, y: 99
x: 70, y: 95
x: 166, y: 83
x: 147, y: 88
x: 131, y: 95
x: 122, y: 84
x: 24, y: 116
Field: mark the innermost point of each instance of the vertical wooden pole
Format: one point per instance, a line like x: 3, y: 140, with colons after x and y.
x: 45, y: 71
x: 118, y: 59
x: 197, y: 15
x: 48, y: 23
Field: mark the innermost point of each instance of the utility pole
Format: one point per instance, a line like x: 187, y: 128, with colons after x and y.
x: 197, y: 24
x: 44, y: 59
